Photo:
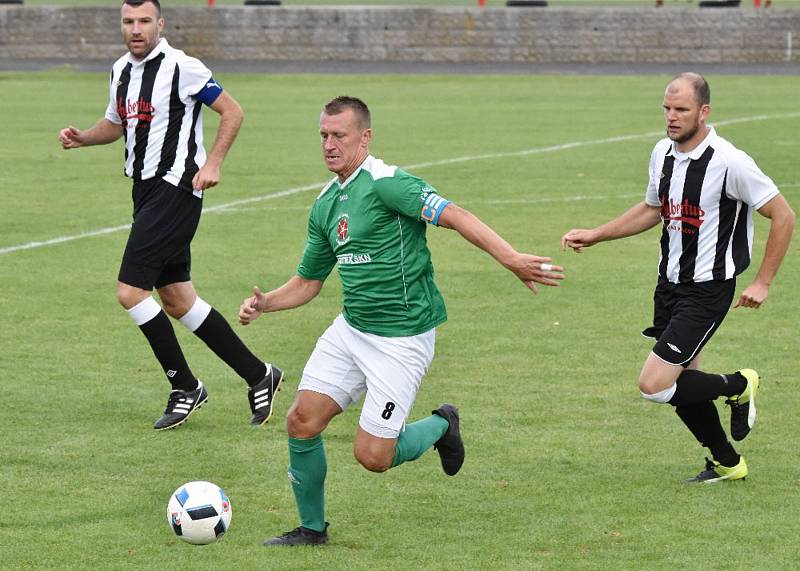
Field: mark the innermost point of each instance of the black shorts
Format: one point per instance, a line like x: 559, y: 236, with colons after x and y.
x: 165, y: 219
x: 685, y: 316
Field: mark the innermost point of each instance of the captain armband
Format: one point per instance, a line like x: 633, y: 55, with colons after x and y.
x: 432, y: 208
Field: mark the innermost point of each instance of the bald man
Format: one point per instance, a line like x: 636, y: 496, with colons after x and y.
x: 703, y: 191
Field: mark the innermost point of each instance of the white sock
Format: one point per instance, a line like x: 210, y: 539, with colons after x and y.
x: 144, y: 311
x: 662, y: 396
x: 195, y: 317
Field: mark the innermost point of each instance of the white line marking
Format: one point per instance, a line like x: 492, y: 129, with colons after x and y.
x: 418, y: 166
x: 279, y: 194
x: 63, y: 239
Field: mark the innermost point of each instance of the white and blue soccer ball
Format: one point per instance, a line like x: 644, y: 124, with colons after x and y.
x: 199, y: 512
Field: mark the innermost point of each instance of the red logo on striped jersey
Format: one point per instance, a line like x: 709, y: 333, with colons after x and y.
x: 682, y: 212
x: 140, y: 109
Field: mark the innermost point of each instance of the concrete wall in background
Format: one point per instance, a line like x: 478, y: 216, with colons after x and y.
x: 405, y: 34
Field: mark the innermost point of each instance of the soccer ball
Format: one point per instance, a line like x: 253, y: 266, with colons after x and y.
x: 199, y: 512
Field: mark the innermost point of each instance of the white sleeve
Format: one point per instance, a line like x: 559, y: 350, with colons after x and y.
x: 112, y: 113
x: 194, y: 75
x: 651, y: 194
x: 747, y: 183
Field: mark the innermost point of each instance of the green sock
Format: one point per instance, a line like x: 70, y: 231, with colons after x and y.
x: 307, y: 470
x: 418, y: 437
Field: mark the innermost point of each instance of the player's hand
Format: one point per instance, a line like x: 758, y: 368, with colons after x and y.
x: 578, y: 238
x: 753, y: 296
x: 252, y: 307
x: 71, y: 138
x: 206, y: 177
x: 536, y: 269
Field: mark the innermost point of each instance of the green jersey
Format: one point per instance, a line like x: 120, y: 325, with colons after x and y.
x: 373, y: 225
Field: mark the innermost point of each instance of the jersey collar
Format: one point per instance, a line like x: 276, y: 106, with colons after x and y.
x: 365, y: 164
x: 698, y: 151
x: 157, y: 51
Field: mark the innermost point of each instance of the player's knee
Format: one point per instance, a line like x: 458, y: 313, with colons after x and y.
x: 123, y: 299
x: 372, y: 461
x: 650, y: 384
x: 128, y: 297
x: 654, y: 393
x: 174, y: 310
x: 300, y: 424
x: 175, y: 304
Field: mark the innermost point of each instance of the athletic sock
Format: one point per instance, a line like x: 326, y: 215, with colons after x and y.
x: 417, y: 438
x: 209, y: 325
x: 307, y: 470
x: 735, y: 384
x: 725, y: 454
x: 695, y: 386
x: 702, y: 419
x: 165, y: 346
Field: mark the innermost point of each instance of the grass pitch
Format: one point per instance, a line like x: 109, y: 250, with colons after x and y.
x: 567, y: 467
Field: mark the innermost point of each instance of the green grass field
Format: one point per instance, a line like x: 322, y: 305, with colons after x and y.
x: 567, y: 467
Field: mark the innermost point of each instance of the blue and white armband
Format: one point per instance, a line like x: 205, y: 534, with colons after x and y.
x: 432, y: 208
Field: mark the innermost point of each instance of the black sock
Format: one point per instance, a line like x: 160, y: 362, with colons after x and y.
x: 702, y: 419
x: 161, y: 336
x: 695, y: 386
x: 735, y: 385
x: 220, y: 338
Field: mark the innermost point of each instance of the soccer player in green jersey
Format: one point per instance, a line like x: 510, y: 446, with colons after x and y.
x: 371, y: 221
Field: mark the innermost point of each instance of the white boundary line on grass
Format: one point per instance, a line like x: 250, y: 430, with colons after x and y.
x: 418, y: 166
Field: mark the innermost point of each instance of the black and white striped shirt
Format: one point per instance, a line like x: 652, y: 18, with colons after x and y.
x: 157, y: 101
x: 707, y: 198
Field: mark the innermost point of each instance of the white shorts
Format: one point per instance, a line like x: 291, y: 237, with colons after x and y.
x: 347, y: 362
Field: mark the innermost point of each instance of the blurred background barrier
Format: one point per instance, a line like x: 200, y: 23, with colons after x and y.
x: 522, y: 3
x: 719, y: 3
x: 419, y: 34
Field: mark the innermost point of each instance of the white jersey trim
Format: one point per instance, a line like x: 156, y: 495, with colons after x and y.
x: 375, y: 167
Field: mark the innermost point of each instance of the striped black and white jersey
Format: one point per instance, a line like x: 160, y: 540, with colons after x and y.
x: 707, y: 198
x: 158, y: 101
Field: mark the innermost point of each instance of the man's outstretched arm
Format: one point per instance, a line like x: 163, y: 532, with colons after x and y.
x: 527, y: 267
x: 634, y: 221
